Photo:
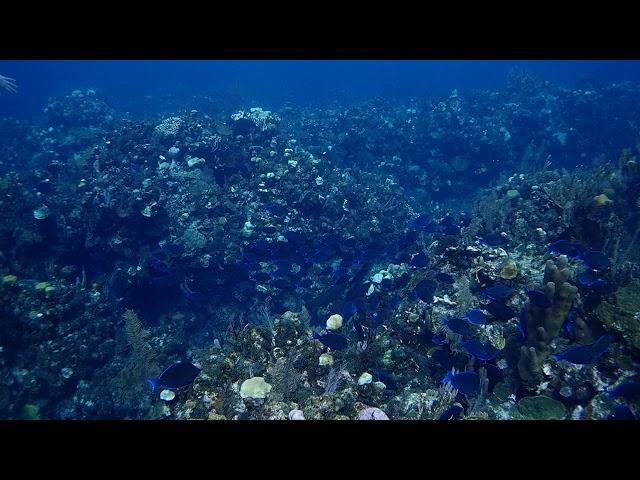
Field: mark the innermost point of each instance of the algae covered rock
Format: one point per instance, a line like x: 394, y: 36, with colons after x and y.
x: 325, y: 359
x: 623, y: 314
x: 502, y: 391
x: 9, y: 280
x: 509, y: 270
x: 30, y: 411
x: 540, y: 407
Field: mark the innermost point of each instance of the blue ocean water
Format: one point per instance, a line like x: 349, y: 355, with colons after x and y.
x: 273, y: 82
x: 327, y: 239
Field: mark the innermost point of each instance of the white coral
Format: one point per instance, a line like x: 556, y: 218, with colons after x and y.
x: 170, y: 126
x: 263, y: 119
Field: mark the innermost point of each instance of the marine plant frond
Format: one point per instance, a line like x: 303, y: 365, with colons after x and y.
x: 141, y: 354
x: 334, y: 380
x: 133, y: 328
x: 286, y: 380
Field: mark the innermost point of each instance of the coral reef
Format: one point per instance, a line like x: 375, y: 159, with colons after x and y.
x: 335, y: 263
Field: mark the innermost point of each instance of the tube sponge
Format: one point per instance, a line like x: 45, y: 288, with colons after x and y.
x: 544, y: 324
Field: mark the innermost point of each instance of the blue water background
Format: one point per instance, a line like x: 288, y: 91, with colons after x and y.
x: 134, y: 85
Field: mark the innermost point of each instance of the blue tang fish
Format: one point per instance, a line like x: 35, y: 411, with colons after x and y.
x: 386, y: 378
x: 482, y: 351
x: 629, y: 390
x: 419, y: 260
x: 275, y: 209
x: 348, y: 310
x: 493, y: 240
x: 596, y: 260
x: 178, y: 375
x: 586, y: 354
x: 494, y: 375
x: 467, y: 383
x: 458, y: 325
x: 475, y: 316
x: 452, y: 413
x: 439, y: 339
x: 565, y: 247
x: 538, y: 298
x: 445, y: 278
x: 500, y: 310
x: 334, y: 341
x: 425, y: 290
x: 622, y: 412
x: 444, y: 358
x: 590, y: 279
x: 499, y: 291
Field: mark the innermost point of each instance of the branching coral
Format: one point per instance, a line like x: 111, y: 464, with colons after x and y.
x: 288, y: 383
x: 544, y: 324
x: 464, y: 297
x: 334, y: 381
x: 494, y: 211
x: 574, y: 192
x: 134, y: 330
x: 129, y: 385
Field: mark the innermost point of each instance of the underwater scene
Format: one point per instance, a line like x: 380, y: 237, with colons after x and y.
x: 319, y: 240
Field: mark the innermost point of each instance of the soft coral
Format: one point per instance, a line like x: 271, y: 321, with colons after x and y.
x: 8, y: 84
